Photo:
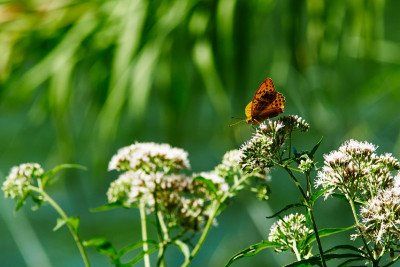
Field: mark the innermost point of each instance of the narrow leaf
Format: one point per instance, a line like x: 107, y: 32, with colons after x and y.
x: 134, y: 246
x: 316, y: 260
x: 295, y: 205
x: 251, y: 251
x: 326, y: 232
x: 51, y: 173
x: 106, y: 207
x: 350, y: 261
x: 103, y: 246
x: 315, y: 148
x: 344, y: 247
x: 140, y: 256
x: 317, y: 195
x: 60, y: 223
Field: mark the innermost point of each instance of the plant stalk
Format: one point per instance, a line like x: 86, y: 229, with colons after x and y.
x: 315, y: 228
x: 64, y: 216
x: 214, y: 210
x: 353, y: 210
x: 310, y: 212
x: 144, y: 234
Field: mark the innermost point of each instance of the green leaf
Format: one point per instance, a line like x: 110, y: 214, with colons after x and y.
x: 344, y: 247
x: 317, y: 194
x: 140, y: 256
x: 20, y: 202
x: 350, y: 261
x: 73, y: 222
x: 316, y: 260
x: 134, y: 246
x: 106, y: 207
x: 38, y: 202
x: 315, y: 148
x: 103, y: 246
x: 251, y: 251
x: 326, y: 232
x: 47, y: 176
x: 290, y: 206
x: 210, y: 185
x: 60, y: 223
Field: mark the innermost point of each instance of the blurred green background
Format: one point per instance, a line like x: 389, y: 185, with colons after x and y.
x: 79, y: 79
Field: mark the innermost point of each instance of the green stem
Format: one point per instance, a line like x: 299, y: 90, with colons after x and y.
x: 164, y: 236
x: 315, y: 228
x: 65, y: 218
x: 296, y: 251
x: 353, y: 210
x: 310, y: 212
x: 214, y: 210
x: 144, y: 234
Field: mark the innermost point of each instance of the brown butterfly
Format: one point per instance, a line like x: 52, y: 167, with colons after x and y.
x: 266, y: 103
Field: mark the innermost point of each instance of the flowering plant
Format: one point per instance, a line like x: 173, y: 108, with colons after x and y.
x: 354, y: 172
x: 156, y: 179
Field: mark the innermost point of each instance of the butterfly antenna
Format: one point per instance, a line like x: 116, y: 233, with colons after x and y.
x: 236, y: 123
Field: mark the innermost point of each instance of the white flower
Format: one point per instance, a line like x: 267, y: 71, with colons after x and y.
x: 230, y: 165
x: 20, y: 178
x: 217, y: 180
x: 356, y: 171
x: 150, y: 157
x: 130, y: 187
x: 289, y: 232
x: 306, y: 164
x: 353, y: 147
x: 380, y: 218
x: 261, y: 151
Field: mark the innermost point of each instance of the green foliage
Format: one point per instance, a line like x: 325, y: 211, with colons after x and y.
x: 251, y: 251
x: 74, y: 74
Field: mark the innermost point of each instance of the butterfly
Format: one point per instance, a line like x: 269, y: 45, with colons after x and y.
x: 266, y: 103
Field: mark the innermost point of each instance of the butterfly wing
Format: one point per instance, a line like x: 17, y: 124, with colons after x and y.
x: 247, y: 111
x: 274, y: 109
x: 263, y: 97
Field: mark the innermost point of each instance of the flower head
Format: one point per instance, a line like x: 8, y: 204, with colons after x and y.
x: 150, y: 157
x: 380, y: 218
x: 355, y: 170
x: 306, y: 164
x: 260, y: 152
x: 20, y: 178
x: 130, y: 187
x: 230, y: 165
x: 290, y: 233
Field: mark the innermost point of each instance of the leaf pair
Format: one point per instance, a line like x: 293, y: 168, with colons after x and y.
x: 257, y: 248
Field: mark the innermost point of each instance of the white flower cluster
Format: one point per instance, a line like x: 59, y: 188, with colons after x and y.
x: 20, y: 178
x: 380, y: 218
x: 306, y: 164
x: 152, y: 175
x: 355, y: 170
x: 130, y: 187
x: 150, y: 157
x: 296, y: 121
x: 289, y: 233
x: 261, y: 150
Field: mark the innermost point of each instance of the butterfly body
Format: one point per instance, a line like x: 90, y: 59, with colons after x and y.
x: 266, y: 103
